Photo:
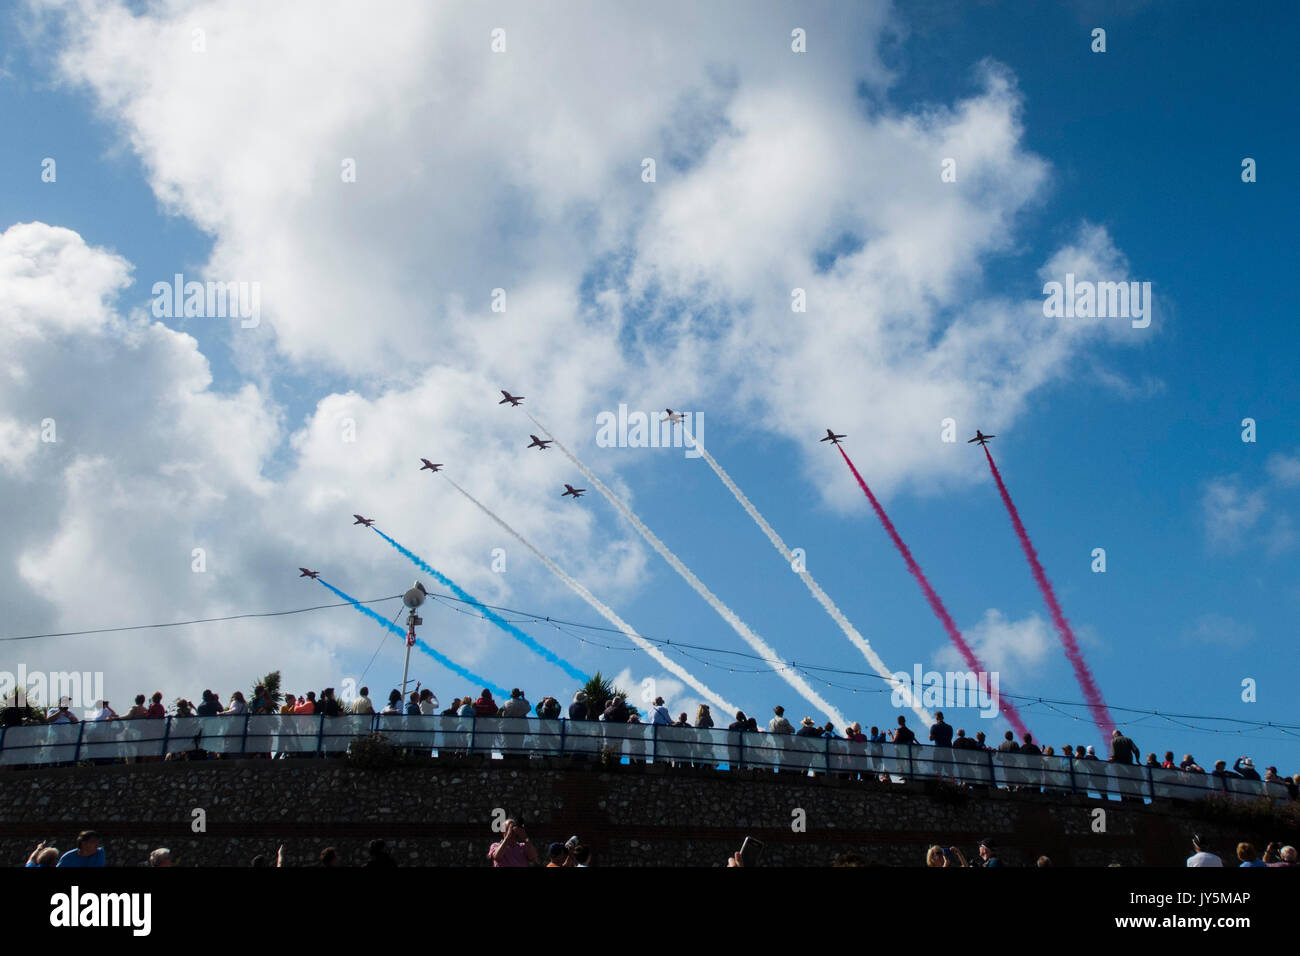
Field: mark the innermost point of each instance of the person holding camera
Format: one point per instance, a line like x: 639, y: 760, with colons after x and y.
x: 514, y: 848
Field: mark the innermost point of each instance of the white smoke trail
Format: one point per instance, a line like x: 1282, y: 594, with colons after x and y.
x: 604, y: 610
x: 727, y: 614
x: 822, y: 597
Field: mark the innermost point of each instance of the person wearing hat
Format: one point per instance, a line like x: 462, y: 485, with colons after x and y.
x: 1245, y: 768
x: 1202, y: 856
x: 989, y: 853
x: 578, y: 709
x: 808, y: 728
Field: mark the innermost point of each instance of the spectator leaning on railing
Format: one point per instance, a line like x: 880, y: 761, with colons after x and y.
x: 779, y: 724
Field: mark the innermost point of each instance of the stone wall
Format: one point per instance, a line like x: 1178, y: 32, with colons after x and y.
x: 440, y: 814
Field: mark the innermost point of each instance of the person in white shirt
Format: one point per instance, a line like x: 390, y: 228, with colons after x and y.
x: 105, y: 712
x: 428, y: 703
x: 61, y: 714
x: 1202, y: 856
x: 660, y: 713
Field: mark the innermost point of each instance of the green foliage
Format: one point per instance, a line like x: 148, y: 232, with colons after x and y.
x: 600, y: 690
x: 272, y: 684
x: 375, y: 752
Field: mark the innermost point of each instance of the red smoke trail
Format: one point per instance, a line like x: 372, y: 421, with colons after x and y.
x: 936, y: 605
x: 1091, y: 691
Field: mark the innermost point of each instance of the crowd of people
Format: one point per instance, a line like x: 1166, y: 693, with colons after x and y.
x: 423, y: 702
x: 514, y: 848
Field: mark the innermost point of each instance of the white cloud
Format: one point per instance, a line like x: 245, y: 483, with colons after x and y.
x: 1015, y: 649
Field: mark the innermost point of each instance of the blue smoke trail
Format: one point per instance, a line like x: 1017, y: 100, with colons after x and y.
x: 496, y: 619
x: 444, y: 661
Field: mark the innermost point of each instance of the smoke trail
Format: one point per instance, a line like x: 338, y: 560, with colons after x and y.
x: 1100, y: 713
x: 604, y: 610
x: 488, y: 613
x: 1008, y: 709
x: 753, y: 640
x: 822, y: 597
x: 444, y: 661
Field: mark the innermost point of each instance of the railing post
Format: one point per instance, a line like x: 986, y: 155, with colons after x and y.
x: 1151, y: 786
x: 473, y: 726
x: 1074, y: 787
x: 828, y: 756
x: 562, y: 723
x: 243, y: 740
x: 993, y: 773
x: 81, y: 732
x: 167, y: 733
x: 654, y: 742
x: 740, y: 760
x: 320, y: 735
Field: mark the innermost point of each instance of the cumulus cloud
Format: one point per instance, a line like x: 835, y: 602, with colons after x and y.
x: 1015, y: 649
x: 477, y: 171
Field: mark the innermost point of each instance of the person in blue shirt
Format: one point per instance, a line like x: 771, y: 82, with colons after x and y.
x: 1248, y: 855
x: 44, y: 856
x: 87, y: 853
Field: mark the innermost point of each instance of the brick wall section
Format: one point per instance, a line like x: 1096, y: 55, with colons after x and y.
x: 440, y: 814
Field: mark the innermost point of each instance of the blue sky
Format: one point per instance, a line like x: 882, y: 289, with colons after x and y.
x: 1131, y: 445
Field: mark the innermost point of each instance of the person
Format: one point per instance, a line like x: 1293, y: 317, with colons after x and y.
x: 1202, y: 856
x: 940, y: 732
x: 514, y: 848
x: 581, y: 856
x: 211, y: 706
x: 904, y: 735
x: 980, y: 741
x: 138, y: 710
x: 467, y: 708
x: 808, y: 728
x: 1067, y: 751
x: 329, y: 857
x: 517, y: 705
x: 105, y: 712
x: 1089, y: 754
x: 161, y: 857
x: 413, y: 704
x: 287, y: 708
x: 616, y: 711
x: 557, y: 855
x: 184, y: 708
x: 1286, y: 857
x: 1189, y: 765
x: 989, y: 853
x: 1248, y: 855
x: 329, y: 705
x: 1122, y: 749
x: 47, y: 856
x: 428, y: 703
x: 1245, y: 768
x: 578, y: 709
x: 660, y: 714
x: 740, y: 721
x: 1029, y: 747
x: 88, y: 852
x: 1223, y: 773
x: 703, y: 717
x: 394, y: 705
x: 1168, y: 762
x: 549, y: 709
x: 1152, y: 762
x: 682, y: 721
x: 156, y: 708
x: 779, y: 724
x: 62, y: 714
x: 485, y: 706
x: 306, y: 706
x: 877, y: 736
x: 238, y: 706
x: 454, y: 709
x: 854, y: 733
x: 379, y: 856
x: 363, y: 705
x: 1009, y: 745
x: 938, y: 856
x: 1044, y: 861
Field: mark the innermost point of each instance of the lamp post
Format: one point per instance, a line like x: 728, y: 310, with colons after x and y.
x: 412, y: 599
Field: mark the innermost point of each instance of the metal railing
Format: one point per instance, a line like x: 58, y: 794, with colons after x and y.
x: 432, y: 736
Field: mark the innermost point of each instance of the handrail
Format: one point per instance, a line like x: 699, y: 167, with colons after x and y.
x: 310, y: 736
